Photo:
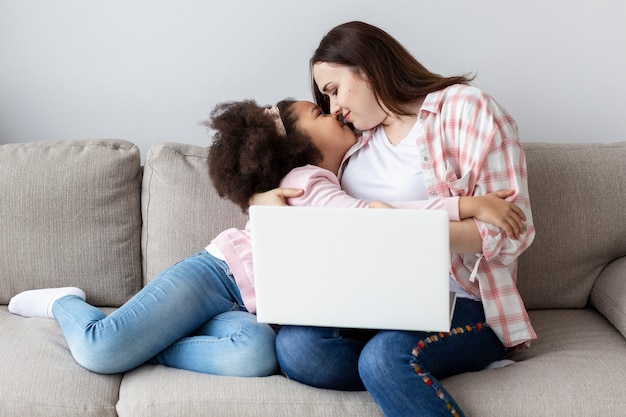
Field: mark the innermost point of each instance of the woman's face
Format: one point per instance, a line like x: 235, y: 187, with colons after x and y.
x: 332, y: 137
x: 350, y: 95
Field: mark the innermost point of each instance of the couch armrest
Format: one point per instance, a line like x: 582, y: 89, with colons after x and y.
x: 608, y: 295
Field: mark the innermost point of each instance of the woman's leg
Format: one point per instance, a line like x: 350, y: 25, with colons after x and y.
x: 401, y: 370
x: 322, y: 357
x: 231, y: 343
x: 173, y: 305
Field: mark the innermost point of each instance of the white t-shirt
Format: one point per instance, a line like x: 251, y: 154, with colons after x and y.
x: 382, y: 171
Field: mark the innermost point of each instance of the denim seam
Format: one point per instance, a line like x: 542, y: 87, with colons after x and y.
x: 433, y: 338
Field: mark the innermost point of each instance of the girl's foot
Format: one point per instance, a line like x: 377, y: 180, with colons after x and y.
x: 38, y: 303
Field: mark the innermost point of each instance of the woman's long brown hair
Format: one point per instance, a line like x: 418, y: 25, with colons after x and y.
x: 395, y: 76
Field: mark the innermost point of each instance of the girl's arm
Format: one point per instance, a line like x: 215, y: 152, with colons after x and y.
x: 464, y: 236
x: 494, y: 209
x: 312, y: 186
x: 321, y: 188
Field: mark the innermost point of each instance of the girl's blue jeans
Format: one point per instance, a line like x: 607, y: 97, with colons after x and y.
x: 188, y: 317
x: 401, y: 370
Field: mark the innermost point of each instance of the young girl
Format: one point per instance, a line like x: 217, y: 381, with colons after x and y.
x: 195, y: 315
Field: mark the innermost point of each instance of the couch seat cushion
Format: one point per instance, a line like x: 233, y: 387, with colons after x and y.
x: 40, y: 377
x: 576, y: 368
x: 154, y: 390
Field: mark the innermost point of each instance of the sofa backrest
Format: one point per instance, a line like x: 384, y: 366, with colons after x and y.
x: 181, y: 211
x: 578, y: 197
x: 70, y: 216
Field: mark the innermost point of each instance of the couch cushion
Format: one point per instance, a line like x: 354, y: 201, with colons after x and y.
x: 70, y: 215
x: 181, y: 210
x: 154, y: 390
x: 577, y: 197
x: 575, y: 368
x: 40, y: 377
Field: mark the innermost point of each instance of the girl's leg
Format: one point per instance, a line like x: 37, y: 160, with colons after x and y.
x: 321, y: 357
x: 173, y: 305
x: 231, y: 343
x: 401, y: 370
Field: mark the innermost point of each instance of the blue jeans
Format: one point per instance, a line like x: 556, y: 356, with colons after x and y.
x: 188, y: 317
x: 401, y: 370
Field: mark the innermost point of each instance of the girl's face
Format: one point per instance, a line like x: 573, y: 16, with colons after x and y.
x: 350, y: 95
x: 332, y: 137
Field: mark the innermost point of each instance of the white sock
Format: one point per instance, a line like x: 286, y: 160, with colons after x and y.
x: 38, y: 303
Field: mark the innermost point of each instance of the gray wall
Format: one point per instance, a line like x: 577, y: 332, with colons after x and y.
x: 150, y: 70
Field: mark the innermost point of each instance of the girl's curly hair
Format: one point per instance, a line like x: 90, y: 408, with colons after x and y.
x: 248, y: 155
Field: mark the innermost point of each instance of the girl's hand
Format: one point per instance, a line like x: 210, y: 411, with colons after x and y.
x: 492, y: 208
x: 275, y: 197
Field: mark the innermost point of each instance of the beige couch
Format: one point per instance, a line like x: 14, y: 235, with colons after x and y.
x: 86, y: 214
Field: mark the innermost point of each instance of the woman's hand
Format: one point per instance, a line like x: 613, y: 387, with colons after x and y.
x: 492, y: 208
x: 379, y: 204
x: 275, y: 197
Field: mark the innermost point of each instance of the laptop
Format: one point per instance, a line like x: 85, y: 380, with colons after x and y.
x: 352, y: 267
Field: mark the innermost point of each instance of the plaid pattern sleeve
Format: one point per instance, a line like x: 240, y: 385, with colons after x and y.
x: 471, y: 147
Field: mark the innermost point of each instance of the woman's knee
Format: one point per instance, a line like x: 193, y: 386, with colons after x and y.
x: 372, y: 359
x: 296, y: 345
x: 386, y: 353
x: 320, y: 357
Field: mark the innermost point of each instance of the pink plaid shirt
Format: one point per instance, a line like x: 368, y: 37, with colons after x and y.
x: 470, y: 146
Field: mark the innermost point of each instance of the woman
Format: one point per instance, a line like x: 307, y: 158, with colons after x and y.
x: 196, y: 314
x: 426, y: 137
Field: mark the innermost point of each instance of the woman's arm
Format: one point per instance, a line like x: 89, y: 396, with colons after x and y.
x: 275, y: 197
x: 464, y: 237
x: 490, y: 157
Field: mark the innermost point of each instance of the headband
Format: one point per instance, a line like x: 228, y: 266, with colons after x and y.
x: 274, y: 113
